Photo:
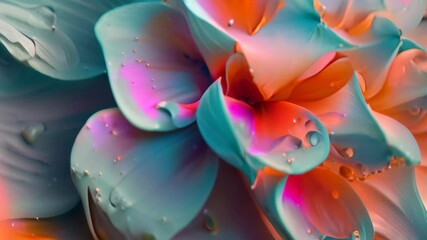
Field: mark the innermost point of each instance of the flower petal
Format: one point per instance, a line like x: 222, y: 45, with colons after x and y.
x: 319, y: 204
x: 405, y: 14
x: 39, y: 120
x: 353, y: 129
x: 393, y: 203
x: 422, y: 144
x: 44, y: 35
x: 229, y: 213
x: 419, y: 34
x: 296, y: 28
x: 421, y: 180
x: 155, y: 69
x: 246, y: 136
x: 137, y: 184
x: 404, y: 95
x: 377, y: 48
x: 60, y: 227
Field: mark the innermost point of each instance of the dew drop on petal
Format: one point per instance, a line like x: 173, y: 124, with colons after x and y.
x: 230, y: 22
x: 314, y: 137
x: 347, y: 173
x: 355, y: 235
x: 209, y: 223
x: 32, y: 132
x: 335, y: 194
x: 308, y: 231
x: 291, y: 160
x: 415, y: 111
x: 148, y: 236
x: 349, y: 152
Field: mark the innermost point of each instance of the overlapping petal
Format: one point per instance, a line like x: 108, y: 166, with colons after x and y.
x: 39, y: 120
x: 136, y: 184
x: 355, y: 132
x: 155, y: 70
x: 229, y: 213
x: 59, y: 227
x: 314, y: 205
x: 394, y: 204
x: 54, y: 37
x: 278, y: 33
x: 248, y: 136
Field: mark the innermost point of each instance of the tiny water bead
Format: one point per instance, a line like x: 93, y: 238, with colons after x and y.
x: 309, y: 231
x: 164, y: 219
x: 314, y: 138
x: 209, y: 223
x: 349, y: 152
x: 415, y: 111
x: 355, y: 235
x: 335, y: 194
x: 31, y: 132
x: 230, y: 22
x: 291, y: 160
x: 347, y: 172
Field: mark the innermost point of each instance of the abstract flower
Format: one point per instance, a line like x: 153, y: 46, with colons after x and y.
x: 235, y: 119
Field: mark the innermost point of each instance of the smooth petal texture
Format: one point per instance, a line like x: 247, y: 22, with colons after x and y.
x: 326, y: 82
x: 393, y: 203
x: 406, y: 14
x: 55, y: 38
x: 229, y: 213
x: 404, y: 96
x: 422, y: 144
x: 419, y: 34
x: 247, y: 137
x: 318, y: 204
x: 69, y: 226
x: 421, y: 180
x: 377, y: 48
x: 39, y: 120
x: 352, y: 126
x: 294, y: 30
x: 136, y: 184
x: 155, y: 70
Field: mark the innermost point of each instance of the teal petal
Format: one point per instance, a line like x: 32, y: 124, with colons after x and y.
x: 247, y: 137
x: 419, y: 34
x: 39, y: 120
x: 55, y: 37
x: 421, y: 180
x: 229, y: 213
x: 156, y: 73
x: 394, y: 204
x: 136, y: 184
x: 377, y: 48
x: 296, y: 27
x: 315, y: 205
x: 362, y: 141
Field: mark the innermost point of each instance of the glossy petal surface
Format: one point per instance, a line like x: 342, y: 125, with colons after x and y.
x: 136, y: 184
x: 60, y: 227
x: 247, y: 137
x: 229, y: 213
x: 39, y: 120
x: 393, y: 203
x: 54, y: 37
x: 314, y: 205
x: 351, y: 125
x: 155, y: 70
x: 270, y: 48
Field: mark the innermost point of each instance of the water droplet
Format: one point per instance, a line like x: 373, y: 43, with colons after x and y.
x: 230, y: 22
x: 355, y: 235
x: 138, y: 60
x: 86, y: 172
x: 209, y: 223
x: 314, y: 137
x: 53, y: 27
x: 294, y: 120
x: 153, y: 87
x: 137, y: 38
x: 349, y: 152
x: 148, y: 236
x: 32, y: 132
x: 100, y: 173
x: 335, y: 194
x: 113, y: 132
x: 284, y: 155
x: 12, y: 224
x: 147, y: 64
x: 347, y: 172
x: 291, y: 160
x: 97, y: 190
x: 118, y: 158
x: 164, y: 219
x: 415, y: 111
x: 308, y: 231
x: 341, y: 45
x: 37, y: 218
